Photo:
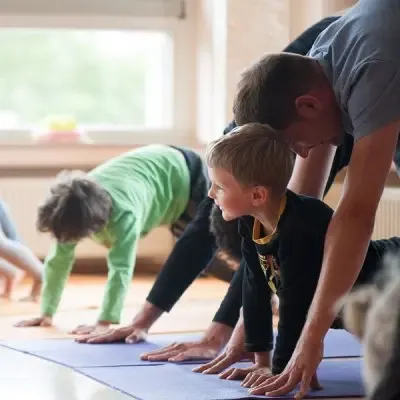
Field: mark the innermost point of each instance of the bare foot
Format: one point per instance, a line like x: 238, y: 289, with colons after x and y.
x: 9, y: 283
x: 35, y: 293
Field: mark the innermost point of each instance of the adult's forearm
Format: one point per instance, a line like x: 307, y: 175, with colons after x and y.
x: 310, y: 175
x: 229, y: 310
x: 147, y: 316
x: 346, y: 245
x: 218, y: 333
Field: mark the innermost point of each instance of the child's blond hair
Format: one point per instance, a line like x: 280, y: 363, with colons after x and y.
x: 254, y: 154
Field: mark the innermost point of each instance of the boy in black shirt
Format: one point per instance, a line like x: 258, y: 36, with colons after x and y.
x: 282, y: 240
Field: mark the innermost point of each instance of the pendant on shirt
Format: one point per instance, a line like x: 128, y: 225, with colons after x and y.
x: 269, y: 263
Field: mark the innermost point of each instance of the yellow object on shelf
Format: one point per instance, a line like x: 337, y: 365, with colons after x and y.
x: 60, y: 129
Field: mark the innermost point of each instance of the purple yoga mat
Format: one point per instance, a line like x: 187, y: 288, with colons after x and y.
x: 338, y: 343
x: 340, y: 378
x: 78, y: 355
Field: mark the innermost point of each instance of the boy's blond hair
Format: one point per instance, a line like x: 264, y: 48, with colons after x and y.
x: 267, y: 90
x: 254, y: 154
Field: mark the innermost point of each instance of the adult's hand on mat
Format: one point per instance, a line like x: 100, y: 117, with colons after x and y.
x: 38, y: 321
x: 127, y: 334
x: 177, y: 352
x: 208, y: 347
x: 230, y: 356
x: 233, y: 353
x: 301, y: 369
x: 100, y: 327
x: 249, y: 375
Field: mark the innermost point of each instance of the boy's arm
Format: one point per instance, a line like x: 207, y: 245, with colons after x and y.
x: 300, y: 265
x: 120, y: 261
x: 57, y: 267
x: 257, y: 310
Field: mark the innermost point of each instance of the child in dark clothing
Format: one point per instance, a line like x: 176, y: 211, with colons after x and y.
x: 282, y: 243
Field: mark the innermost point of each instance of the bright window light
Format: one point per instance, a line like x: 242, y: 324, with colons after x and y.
x: 101, y: 78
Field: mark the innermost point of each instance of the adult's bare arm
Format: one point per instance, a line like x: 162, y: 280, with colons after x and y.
x: 311, y: 174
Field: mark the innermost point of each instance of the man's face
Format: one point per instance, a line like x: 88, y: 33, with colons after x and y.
x: 317, y: 123
x: 301, y: 137
x: 233, y: 200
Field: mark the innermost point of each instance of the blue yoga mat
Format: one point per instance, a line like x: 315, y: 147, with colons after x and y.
x: 338, y: 343
x: 340, y: 378
x: 71, y: 354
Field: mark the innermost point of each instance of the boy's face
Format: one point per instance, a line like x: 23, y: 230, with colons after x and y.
x: 233, y: 200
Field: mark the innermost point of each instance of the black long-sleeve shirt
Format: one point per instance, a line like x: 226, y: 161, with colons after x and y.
x: 196, y: 248
x: 289, y: 263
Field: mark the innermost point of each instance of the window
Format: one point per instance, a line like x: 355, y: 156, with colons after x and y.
x: 99, y: 78
x: 124, y: 71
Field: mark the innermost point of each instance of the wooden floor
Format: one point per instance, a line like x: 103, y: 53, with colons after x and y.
x: 26, y: 377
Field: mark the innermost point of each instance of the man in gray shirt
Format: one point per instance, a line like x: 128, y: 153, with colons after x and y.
x: 349, y: 82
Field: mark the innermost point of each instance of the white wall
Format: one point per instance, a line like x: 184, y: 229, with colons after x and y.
x: 231, y: 34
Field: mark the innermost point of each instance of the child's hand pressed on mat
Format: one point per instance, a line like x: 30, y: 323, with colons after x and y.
x: 262, y: 386
x: 43, y: 321
x: 128, y: 334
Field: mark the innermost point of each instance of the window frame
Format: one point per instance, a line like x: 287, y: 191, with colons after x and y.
x: 182, y: 109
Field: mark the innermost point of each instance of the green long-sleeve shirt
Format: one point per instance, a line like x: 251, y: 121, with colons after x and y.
x: 149, y: 187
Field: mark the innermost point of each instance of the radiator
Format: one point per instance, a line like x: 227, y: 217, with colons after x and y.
x: 387, y: 222
x: 23, y: 196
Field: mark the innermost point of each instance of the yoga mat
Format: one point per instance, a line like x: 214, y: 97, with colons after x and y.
x: 67, y: 352
x: 340, y: 378
x: 341, y: 344
x: 78, y: 355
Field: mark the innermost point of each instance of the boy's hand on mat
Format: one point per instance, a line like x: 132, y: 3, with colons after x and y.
x: 177, y: 352
x: 261, y: 386
x: 39, y: 321
x: 127, y: 334
x: 301, y: 369
x: 99, y: 328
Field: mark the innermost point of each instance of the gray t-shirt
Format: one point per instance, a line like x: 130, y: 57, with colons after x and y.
x: 360, y: 54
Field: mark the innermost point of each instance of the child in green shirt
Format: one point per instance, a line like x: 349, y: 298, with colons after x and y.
x: 115, y: 204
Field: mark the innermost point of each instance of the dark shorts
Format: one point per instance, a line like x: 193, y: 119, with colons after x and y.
x: 199, y: 185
